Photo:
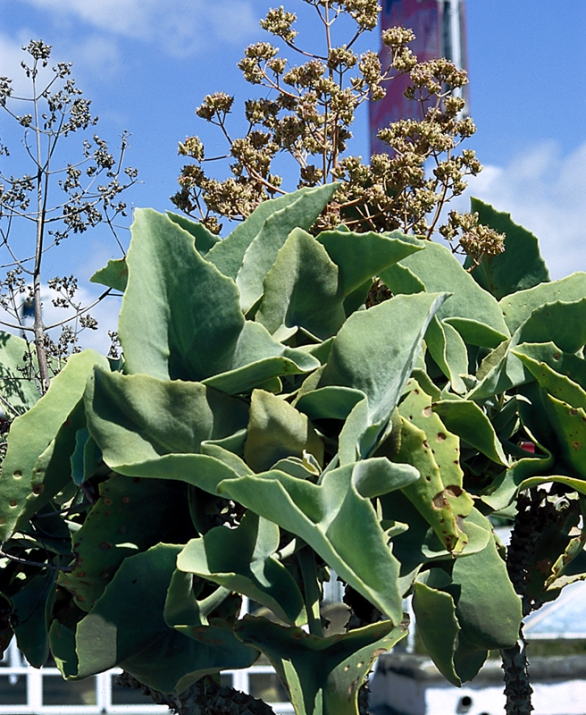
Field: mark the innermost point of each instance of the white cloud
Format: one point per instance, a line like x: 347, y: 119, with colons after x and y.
x: 546, y: 193
x: 180, y: 28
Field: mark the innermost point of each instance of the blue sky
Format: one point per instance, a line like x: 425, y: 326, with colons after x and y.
x: 147, y: 64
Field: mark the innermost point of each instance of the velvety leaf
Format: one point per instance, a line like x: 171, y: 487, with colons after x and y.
x: 243, y: 560
x: 322, y: 675
x: 449, y: 352
x: 130, y: 516
x: 135, y: 418
x: 471, y: 310
x: 204, y: 239
x: 563, y: 323
x: 568, y: 364
x: 306, y: 205
x: 262, y: 250
x: 375, y: 352
x: 113, y: 275
x: 127, y: 628
x: 578, y: 485
x: 569, y: 424
x: 518, y: 306
x: 33, y: 433
x: 519, y: 267
x: 335, y: 520
x: 438, y: 627
x: 302, y: 289
x: 556, y: 385
x: 488, y: 609
x: 360, y: 256
x: 505, y: 490
x: 277, y: 430
x: 331, y: 402
x: 17, y: 391
x: 466, y: 419
x: 259, y: 358
x: 180, y: 316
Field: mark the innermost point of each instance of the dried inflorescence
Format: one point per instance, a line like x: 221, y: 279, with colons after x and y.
x: 466, y: 235
x: 307, y: 114
x: 54, y: 200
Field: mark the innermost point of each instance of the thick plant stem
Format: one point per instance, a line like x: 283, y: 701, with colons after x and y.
x: 205, y: 697
x: 528, y: 525
x: 518, y: 689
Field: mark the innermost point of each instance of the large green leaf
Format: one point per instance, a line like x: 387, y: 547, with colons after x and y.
x: 519, y: 267
x: 555, y: 384
x: 113, y: 275
x: 305, y: 206
x: 262, y: 250
x: 561, y: 322
x: 375, y: 352
x: 438, y: 627
x: 32, y: 435
x: 18, y: 392
x: 180, y: 316
x: 204, y: 239
x: 462, y: 618
x: 428, y: 446
x: 336, y: 520
x: 487, y: 607
x: 302, y: 289
x: 471, y: 310
x: 258, y: 358
x: 31, y: 615
x: 466, y: 419
x: 360, y: 256
x: 277, y: 430
x: 568, y: 364
x: 243, y: 560
x: 518, y: 306
x: 322, y: 675
x: 130, y: 516
x: 569, y: 424
x: 126, y: 628
x: 135, y: 418
x: 447, y: 348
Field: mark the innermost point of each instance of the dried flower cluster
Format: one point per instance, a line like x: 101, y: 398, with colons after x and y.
x: 307, y: 111
x: 55, y: 199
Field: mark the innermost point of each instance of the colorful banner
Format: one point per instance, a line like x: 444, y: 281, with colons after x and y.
x: 437, y: 34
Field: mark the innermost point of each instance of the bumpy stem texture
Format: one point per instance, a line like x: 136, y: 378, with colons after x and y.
x: 205, y: 697
x: 528, y: 525
x: 518, y: 689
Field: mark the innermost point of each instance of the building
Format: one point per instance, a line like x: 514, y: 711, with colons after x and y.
x: 440, y: 31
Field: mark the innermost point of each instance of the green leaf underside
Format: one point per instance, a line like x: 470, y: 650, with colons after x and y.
x: 113, y: 275
x: 322, y: 675
x: 32, y: 434
x: 126, y: 628
x: 243, y: 560
x: 471, y: 310
x: 130, y: 516
x: 18, y: 392
x: 335, y: 520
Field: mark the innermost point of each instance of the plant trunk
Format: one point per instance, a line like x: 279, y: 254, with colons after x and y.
x: 518, y: 688
x: 205, y: 697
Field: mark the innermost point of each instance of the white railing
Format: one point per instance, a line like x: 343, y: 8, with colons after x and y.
x: 32, y: 691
